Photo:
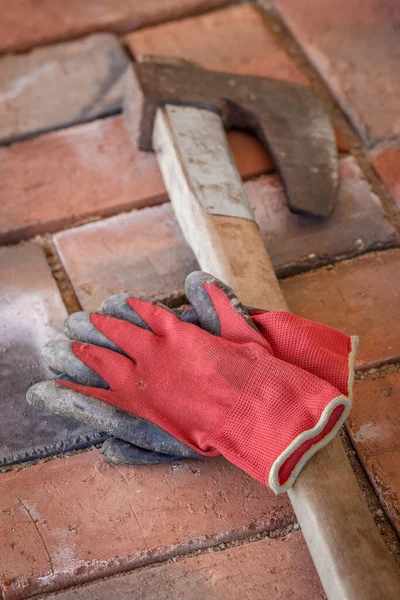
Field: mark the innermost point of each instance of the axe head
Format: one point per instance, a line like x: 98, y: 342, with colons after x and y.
x: 288, y: 119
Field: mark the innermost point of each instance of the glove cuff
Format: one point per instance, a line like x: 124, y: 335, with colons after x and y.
x: 295, y: 415
x: 286, y: 468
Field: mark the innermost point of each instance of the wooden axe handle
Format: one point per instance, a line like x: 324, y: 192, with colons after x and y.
x: 350, y: 556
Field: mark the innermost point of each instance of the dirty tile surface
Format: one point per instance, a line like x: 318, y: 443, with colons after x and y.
x: 145, y: 251
x: 358, y: 297
x: 89, y: 170
x: 374, y: 425
x: 235, y: 39
x: 148, y: 254
x: 78, y: 518
x: 31, y: 313
x: 277, y: 568
x: 387, y: 165
x: 74, y: 519
x: 68, y: 175
x: 60, y: 85
x: 354, y: 45
x: 27, y: 23
x: 296, y: 243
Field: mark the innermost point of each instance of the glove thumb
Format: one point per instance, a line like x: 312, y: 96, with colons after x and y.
x: 219, y: 311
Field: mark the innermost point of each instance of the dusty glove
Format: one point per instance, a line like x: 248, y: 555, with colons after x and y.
x: 132, y: 440
x: 227, y: 395
x: 144, y: 443
x: 311, y: 348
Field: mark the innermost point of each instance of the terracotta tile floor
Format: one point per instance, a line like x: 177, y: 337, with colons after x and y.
x: 71, y: 176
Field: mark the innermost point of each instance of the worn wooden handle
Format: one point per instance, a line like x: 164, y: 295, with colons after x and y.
x: 350, y: 556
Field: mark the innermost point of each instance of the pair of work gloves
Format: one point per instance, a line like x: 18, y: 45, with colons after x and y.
x: 265, y: 390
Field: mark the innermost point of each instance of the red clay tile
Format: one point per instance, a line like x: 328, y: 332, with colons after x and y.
x: 387, y: 165
x: 355, y: 47
x: 374, y: 423
x: 88, y: 170
x: 270, y: 569
x: 68, y: 175
x: 27, y: 23
x: 374, y: 426
x: 249, y: 154
x: 383, y: 470
x: 358, y: 223
x: 341, y: 141
x: 145, y: 251
x: 234, y: 39
x: 357, y: 296
x: 77, y: 518
x: 60, y: 85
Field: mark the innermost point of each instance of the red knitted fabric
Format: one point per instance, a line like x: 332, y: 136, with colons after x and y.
x: 314, y: 347
x: 266, y: 401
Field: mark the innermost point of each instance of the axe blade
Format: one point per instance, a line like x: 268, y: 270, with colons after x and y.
x: 288, y: 118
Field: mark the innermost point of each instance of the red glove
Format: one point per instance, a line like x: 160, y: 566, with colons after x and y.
x: 316, y: 348
x: 229, y: 395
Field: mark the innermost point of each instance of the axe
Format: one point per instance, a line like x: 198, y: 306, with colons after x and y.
x: 181, y: 113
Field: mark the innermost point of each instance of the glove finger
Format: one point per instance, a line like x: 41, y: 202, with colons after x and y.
x: 117, y: 306
x: 115, y: 368
x: 89, y: 365
x: 54, y: 396
x: 118, y: 452
x: 78, y: 327
x: 152, y: 313
x: 60, y: 358
x: 218, y: 309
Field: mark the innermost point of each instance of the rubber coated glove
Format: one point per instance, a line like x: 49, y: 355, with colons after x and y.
x: 229, y: 395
